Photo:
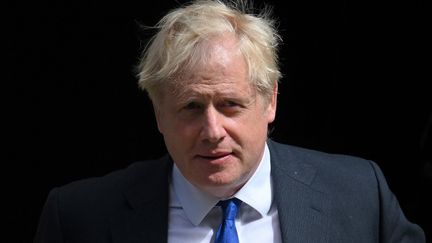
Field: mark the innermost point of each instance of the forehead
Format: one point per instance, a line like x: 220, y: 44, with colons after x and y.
x: 220, y: 66
x: 215, y: 55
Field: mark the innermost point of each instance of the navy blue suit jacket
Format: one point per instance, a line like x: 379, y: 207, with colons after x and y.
x: 320, y: 198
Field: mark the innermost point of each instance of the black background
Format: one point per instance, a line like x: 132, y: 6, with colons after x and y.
x: 355, y: 82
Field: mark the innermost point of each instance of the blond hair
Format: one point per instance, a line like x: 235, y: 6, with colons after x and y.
x: 176, y: 46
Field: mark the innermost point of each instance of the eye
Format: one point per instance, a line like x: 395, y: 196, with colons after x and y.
x: 230, y: 103
x: 230, y: 107
x: 192, y: 106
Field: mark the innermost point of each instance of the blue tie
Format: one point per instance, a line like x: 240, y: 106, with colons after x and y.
x: 227, y: 232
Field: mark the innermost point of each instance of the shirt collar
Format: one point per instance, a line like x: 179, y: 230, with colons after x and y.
x: 257, y: 192
x: 195, y: 203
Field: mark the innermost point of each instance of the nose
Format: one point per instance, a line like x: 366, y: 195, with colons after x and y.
x: 212, y: 130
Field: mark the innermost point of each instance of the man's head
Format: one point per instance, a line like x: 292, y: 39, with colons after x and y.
x: 212, y: 73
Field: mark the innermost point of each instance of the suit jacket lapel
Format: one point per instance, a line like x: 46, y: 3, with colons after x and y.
x: 145, y: 215
x: 302, y: 209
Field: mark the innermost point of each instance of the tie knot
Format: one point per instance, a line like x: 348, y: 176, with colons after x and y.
x: 230, y: 208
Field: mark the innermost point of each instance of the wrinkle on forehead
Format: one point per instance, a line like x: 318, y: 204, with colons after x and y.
x: 210, y: 91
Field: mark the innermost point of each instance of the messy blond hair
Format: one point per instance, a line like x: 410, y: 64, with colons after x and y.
x: 175, y: 47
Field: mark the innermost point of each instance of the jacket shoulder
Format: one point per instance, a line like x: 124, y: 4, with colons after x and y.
x: 337, y: 166
x: 345, y: 176
x: 85, y: 210
x: 116, y: 180
x: 98, y: 196
x: 356, y: 188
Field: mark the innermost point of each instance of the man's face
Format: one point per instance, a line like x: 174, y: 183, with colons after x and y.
x: 214, y: 123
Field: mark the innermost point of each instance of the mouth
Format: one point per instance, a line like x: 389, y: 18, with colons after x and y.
x: 215, y: 158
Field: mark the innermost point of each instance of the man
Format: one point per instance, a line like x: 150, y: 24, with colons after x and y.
x: 211, y: 72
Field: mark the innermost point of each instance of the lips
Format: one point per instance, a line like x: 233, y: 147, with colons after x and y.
x: 214, y: 156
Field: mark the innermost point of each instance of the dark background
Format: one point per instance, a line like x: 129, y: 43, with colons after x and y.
x: 355, y: 82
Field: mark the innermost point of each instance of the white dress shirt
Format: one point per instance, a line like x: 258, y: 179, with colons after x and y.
x: 193, y: 216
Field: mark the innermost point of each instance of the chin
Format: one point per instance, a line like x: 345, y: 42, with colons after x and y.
x: 221, y: 185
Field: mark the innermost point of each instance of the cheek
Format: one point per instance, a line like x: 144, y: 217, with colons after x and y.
x: 249, y: 132
x: 180, y: 134
x: 255, y: 129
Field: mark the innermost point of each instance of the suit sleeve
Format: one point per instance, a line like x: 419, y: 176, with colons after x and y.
x: 394, y: 226
x: 49, y: 228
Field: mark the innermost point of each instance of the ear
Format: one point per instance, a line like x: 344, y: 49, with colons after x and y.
x: 158, y: 116
x: 271, y: 109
